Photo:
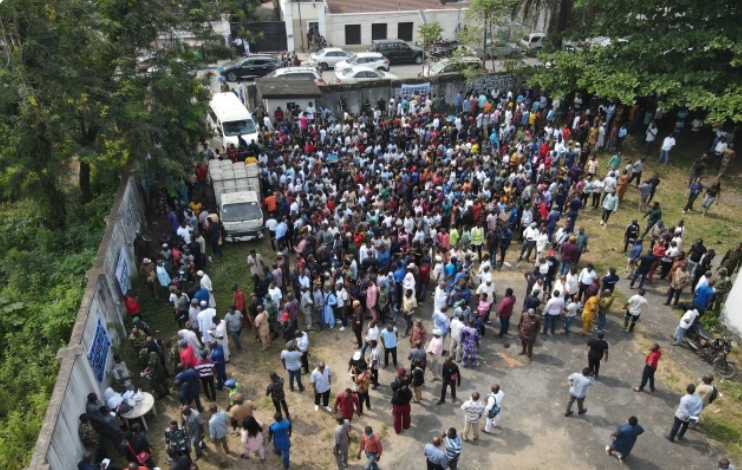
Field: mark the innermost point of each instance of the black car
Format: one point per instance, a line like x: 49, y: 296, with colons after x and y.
x: 250, y: 67
x: 397, y: 51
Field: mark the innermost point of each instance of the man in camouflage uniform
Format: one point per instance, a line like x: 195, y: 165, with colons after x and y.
x: 88, y: 436
x: 731, y: 260
x: 272, y: 309
x: 722, y: 287
x: 177, y: 441
x: 155, y: 373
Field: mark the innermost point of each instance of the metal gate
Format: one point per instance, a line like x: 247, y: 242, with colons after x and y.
x: 274, y: 35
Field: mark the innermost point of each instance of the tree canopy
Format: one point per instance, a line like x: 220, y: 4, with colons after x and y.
x: 685, y: 52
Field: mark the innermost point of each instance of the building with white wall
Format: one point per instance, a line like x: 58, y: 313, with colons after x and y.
x: 732, y: 313
x: 348, y: 23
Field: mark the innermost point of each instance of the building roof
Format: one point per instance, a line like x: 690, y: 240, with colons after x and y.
x: 355, y: 6
x: 286, y: 87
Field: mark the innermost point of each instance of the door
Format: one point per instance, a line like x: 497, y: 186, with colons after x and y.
x: 352, y: 34
x: 391, y: 52
x: 404, y: 31
x: 378, y: 31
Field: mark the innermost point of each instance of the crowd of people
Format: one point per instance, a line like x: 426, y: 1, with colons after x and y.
x: 374, y: 217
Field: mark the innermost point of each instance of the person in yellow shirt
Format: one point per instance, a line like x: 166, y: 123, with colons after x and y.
x: 588, y: 313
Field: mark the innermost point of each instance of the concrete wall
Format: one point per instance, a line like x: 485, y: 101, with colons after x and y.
x: 58, y: 446
x: 732, y: 314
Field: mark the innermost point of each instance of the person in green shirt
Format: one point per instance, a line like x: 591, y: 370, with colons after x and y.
x: 654, y: 214
x: 454, y: 236
x: 615, y: 162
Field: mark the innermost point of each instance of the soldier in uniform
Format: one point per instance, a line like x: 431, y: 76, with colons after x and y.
x: 155, y: 373
x: 722, y: 287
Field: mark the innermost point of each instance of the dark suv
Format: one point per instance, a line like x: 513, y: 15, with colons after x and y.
x: 251, y: 67
x: 397, y: 51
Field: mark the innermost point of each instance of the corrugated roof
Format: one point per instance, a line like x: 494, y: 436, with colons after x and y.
x: 284, y: 87
x: 356, y: 6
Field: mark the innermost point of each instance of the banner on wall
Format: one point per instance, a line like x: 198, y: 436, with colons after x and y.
x: 413, y: 89
x: 123, y: 272
x: 98, y: 352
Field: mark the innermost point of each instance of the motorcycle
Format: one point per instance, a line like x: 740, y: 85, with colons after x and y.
x: 713, y: 350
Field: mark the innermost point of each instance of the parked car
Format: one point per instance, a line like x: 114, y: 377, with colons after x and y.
x: 360, y: 74
x: 328, y: 57
x: 598, y: 41
x: 533, y: 41
x: 251, y: 67
x: 397, y: 51
x: 298, y: 73
x: 454, y: 65
x: 500, y: 50
x: 373, y: 60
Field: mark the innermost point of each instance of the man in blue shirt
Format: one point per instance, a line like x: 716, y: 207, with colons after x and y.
x: 280, y: 433
x: 441, y: 321
x: 188, y: 381
x: 704, y: 294
x: 435, y: 457
x: 281, y: 229
x: 389, y: 338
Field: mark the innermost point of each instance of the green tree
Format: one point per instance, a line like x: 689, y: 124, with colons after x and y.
x: 484, y: 18
x: 685, y: 52
x: 70, y: 92
x: 428, y: 33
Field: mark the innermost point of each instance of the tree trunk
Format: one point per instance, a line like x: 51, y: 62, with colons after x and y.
x: 563, y: 17
x: 86, y: 194
x: 51, y: 192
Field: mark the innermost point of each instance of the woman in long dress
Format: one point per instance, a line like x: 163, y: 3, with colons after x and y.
x: 251, y: 436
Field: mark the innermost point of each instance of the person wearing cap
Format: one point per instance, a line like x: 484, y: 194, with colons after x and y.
x: 435, y: 352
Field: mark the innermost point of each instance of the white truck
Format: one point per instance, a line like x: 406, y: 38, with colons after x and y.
x: 237, y: 195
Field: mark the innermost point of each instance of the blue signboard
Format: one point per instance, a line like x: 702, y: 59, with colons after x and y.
x: 98, y: 353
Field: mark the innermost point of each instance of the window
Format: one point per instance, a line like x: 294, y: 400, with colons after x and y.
x: 404, y: 31
x: 352, y: 34
x: 378, y: 31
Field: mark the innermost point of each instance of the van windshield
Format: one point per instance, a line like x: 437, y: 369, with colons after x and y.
x: 241, y: 211
x: 239, y: 127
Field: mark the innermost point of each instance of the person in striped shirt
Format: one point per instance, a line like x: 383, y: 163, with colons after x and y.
x: 453, y: 447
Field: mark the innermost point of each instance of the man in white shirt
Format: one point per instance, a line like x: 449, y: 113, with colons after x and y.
x: 184, y: 231
x: 689, y: 408
x: 456, y: 327
x: 651, y: 135
x: 686, y: 321
x: 494, y: 398
x: 587, y: 277
x: 530, y: 234
x: 667, y: 144
x: 634, y: 308
x: 206, y: 321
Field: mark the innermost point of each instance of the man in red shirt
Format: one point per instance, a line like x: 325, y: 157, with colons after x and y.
x: 371, y: 443
x: 187, y: 356
x: 347, y: 403
x: 505, y: 311
x: 650, y: 367
x: 132, y: 306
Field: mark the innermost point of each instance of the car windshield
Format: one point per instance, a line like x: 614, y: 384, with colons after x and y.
x: 241, y: 211
x: 239, y: 127
x: 438, y: 67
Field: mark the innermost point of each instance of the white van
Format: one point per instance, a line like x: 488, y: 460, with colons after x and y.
x: 230, y: 119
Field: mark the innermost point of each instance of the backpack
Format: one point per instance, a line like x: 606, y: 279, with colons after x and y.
x: 714, y: 394
x: 493, y: 412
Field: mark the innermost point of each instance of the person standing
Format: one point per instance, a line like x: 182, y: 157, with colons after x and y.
x: 371, y: 445
x: 418, y: 380
x: 302, y: 345
x: 707, y: 390
x: 492, y: 408
x: 277, y: 394
x: 505, y: 311
x: 341, y: 442
x: 528, y: 327
x: 588, y: 313
x: 473, y: 412
x: 634, y: 308
x: 234, y: 321
x: 346, y: 404
x: 650, y: 367
x: 88, y: 435
x: 218, y: 431
x: 623, y: 440
x: 194, y: 425
x: 552, y: 311
x: 291, y: 359
x: 689, y: 408
x: 389, y: 338
x: 435, y: 457
x: 321, y: 383
x: 262, y: 327
x: 578, y: 390
x: 667, y: 144
x: 401, y: 398
x: 451, y: 378
x: 363, y: 382
x: 457, y: 326
x: 188, y: 381
x: 176, y: 441
x: 598, y: 350
x: 453, y: 448
x: 357, y: 326
x: 435, y: 352
x: 280, y: 433
x: 470, y: 342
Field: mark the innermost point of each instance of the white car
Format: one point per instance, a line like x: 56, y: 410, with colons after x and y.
x: 360, y: 74
x: 373, y: 60
x: 533, y: 41
x: 328, y: 57
x: 298, y: 73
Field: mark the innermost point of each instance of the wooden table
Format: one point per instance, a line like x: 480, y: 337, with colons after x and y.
x: 142, y: 408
